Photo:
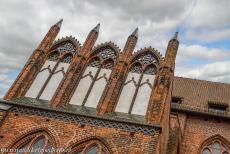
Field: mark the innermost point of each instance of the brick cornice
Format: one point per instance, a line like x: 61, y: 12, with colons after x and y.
x: 199, y: 111
x: 82, y: 118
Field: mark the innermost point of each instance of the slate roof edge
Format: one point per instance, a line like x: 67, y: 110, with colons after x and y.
x: 77, y: 114
x: 199, y: 112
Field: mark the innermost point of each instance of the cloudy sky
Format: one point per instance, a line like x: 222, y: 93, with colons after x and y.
x: 203, y: 25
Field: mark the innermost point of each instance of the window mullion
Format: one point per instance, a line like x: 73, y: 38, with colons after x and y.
x: 28, y: 149
x: 99, y: 148
x: 48, y: 79
x: 45, y: 145
x: 91, y: 86
x: 135, y: 93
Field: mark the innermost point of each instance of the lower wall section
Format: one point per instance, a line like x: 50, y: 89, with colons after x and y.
x: 65, y: 134
x: 199, y: 130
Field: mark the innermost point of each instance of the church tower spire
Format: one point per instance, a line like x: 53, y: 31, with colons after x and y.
x: 130, y: 45
x: 159, y: 106
x: 171, y: 52
x: 135, y: 33
x: 112, y: 91
x: 90, y: 40
x: 33, y: 65
x: 59, y: 23
x: 96, y: 29
x: 176, y: 36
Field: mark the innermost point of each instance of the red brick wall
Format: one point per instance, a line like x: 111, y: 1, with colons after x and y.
x: 66, y: 134
x: 197, y: 130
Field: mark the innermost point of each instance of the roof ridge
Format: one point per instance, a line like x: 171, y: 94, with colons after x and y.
x: 203, y: 80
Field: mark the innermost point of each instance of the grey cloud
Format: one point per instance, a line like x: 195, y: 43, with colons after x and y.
x: 217, y: 71
x: 24, y: 23
x: 208, y: 21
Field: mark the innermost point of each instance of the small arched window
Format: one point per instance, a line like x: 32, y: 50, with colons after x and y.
x: 36, y: 143
x: 215, y: 145
x: 90, y: 147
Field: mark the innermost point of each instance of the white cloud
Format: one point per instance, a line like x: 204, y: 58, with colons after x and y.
x: 187, y: 52
x: 209, y: 14
x: 24, y: 23
x: 217, y: 71
x: 208, y: 21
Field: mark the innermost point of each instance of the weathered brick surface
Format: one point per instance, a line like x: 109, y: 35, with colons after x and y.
x: 198, y: 129
x: 65, y: 134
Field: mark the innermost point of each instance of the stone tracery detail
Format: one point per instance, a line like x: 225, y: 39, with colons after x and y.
x: 215, y: 145
x: 52, y: 72
x: 39, y: 142
x: 67, y: 47
x: 139, y: 82
x: 90, y: 147
x: 94, y: 78
x: 147, y: 59
x: 107, y: 53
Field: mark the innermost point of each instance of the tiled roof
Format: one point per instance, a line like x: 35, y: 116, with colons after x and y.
x: 197, y: 93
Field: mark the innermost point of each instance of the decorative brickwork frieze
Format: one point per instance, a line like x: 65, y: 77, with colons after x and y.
x: 67, y: 131
x: 87, y: 120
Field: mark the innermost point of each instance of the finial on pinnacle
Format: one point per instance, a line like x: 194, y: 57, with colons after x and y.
x: 135, y: 32
x: 97, y: 28
x: 176, y: 36
x: 59, y: 23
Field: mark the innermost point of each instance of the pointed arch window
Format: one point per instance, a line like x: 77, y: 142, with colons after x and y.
x: 52, y: 72
x: 137, y: 88
x: 215, y: 145
x: 38, y: 143
x: 90, y: 147
x: 94, y: 79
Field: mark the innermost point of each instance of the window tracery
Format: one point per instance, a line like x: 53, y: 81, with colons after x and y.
x: 67, y: 47
x: 57, y: 61
x: 67, y: 59
x: 53, y: 57
x: 136, y: 69
x: 90, y: 147
x: 106, y: 54
x: 215, y: 146
x: 38, y: 143
x: 147, y: 59
x: 94, y: 78
x: 138, y: 85
x: 150, y: 70
x: 95, y: 63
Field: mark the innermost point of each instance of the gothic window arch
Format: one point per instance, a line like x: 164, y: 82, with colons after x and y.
x: 39, y: 142
x: 215, y: 145
x: 137, y: 88
x: 53, y: 71
x: 94, y: 78
x: 89, y: 147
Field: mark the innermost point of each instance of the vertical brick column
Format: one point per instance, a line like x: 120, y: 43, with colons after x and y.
x: 73, y: 75
x: 33, y: 65
x: 109, y: 98
x: 159, y: 105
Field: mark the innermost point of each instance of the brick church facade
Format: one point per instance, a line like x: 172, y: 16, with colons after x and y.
x: 73, y: 98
